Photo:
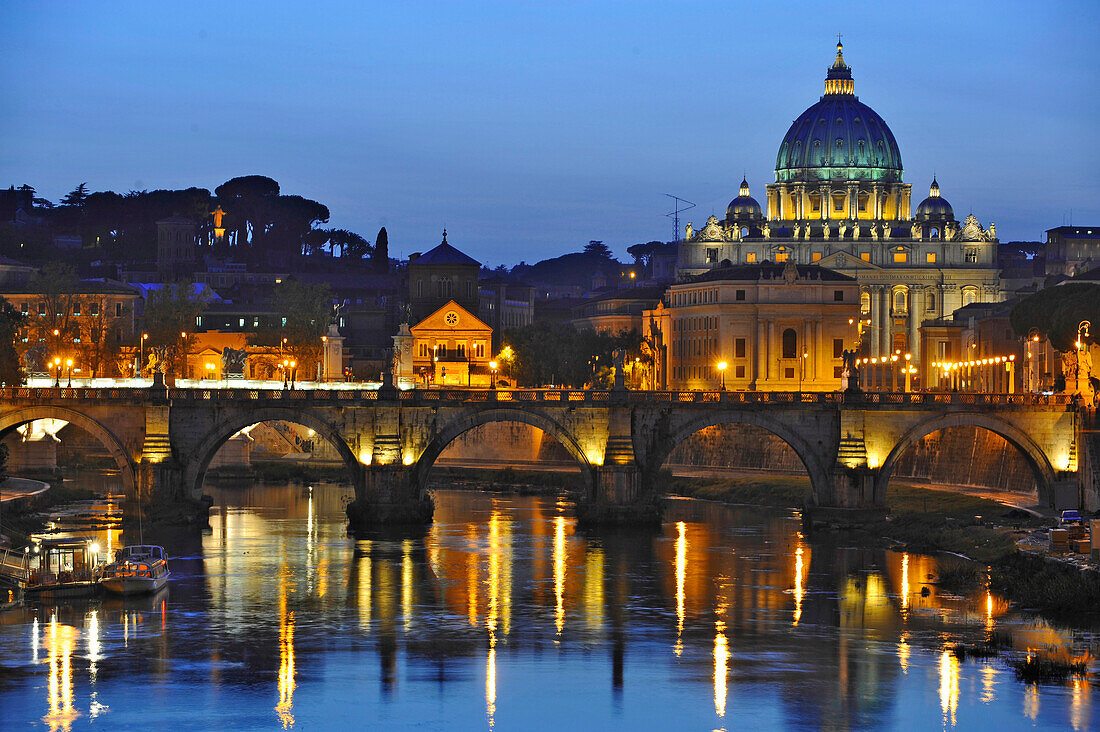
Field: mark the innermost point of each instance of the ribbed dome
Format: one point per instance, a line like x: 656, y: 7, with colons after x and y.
x: 934, y: 207
x: 744, y: 207
x: 839, y: 138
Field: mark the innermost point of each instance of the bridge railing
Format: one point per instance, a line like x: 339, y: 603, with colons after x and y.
x: 550, y: 396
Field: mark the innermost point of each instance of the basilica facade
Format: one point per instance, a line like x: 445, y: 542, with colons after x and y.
x: 839, y: 201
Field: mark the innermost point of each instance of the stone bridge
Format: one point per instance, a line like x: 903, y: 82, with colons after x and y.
x: 163, y: 439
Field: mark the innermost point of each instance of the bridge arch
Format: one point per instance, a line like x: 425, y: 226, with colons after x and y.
x: 470, y: 419
x: 198, y: 462
x: 96, y: 429
x: 818, y: 472
x: 1036, y: 459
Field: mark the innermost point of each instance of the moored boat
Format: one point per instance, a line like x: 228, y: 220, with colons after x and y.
x: 63, y: 568
x: 138, y: 569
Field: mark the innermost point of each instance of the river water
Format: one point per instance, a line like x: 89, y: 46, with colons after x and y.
x: 505, y: 617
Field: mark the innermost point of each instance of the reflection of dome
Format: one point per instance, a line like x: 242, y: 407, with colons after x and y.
x: 744, y: 207
x: 839, y: 138
x: 934, y: 207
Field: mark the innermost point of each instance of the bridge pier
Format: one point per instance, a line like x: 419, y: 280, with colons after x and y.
x: 851, y: 497
x: 618, y: 494
x: 387, y: 495
x: 162, y: 497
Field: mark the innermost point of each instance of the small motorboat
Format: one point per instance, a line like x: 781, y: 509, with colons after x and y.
x: 137, y: 570
x: 63, y: 568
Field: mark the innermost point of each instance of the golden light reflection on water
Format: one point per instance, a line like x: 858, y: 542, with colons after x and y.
x: 903, y: 652
x: 593, y: 587
x: 407, y: 583
x: 286, y: 657
x: 721, y: 661
x: 1031, y: 701
x: 797, y: 585
x: 491, y: 680
x: 904, y: 584
x: 559, y: 574
x: 59, y: 643
x: 364, y: 598
x: 949, y: 687
x: 1079, y: 712
x: 989, y: 674
x: 681, y: 572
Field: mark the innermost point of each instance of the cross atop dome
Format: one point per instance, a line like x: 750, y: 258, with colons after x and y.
x: 839, y: 78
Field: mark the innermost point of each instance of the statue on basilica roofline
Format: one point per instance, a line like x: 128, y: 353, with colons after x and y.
x: 914, y: 231
x: 855, y: 230
x: 885, y: 230
x: 843, y: 227
x: 689, y: 231
x: 874, y: 232
x: 825, y: 230
x: 767, y: 231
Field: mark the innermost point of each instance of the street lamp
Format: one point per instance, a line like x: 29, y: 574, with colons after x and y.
x: 493, y: 376
x: 286, y: 364
x: 69, y: 366
x: 141, y: 354
x: 210, y: 371
x: 802, y: 370
x: 722, y: 372
x: 293, y: 373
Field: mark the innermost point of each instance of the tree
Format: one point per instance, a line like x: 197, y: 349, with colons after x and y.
x: 76, y: 196
x: 55, y: 312
x: 558, y: 353
x: 99, y: 338
x: 303, y: 312
x: 11, y: 321
x: 247, y: 200
x: 598, y: 248
x: 1057, y: 311
x: 170, y: 313
x: 381, y: 255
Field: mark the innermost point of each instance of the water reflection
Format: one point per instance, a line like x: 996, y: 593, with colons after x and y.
x: 463, y: 626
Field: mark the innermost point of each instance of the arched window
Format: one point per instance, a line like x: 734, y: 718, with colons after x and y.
x: 899, y: 301
x: 865, y: 302
x: 931, y: 301
x: 790, y: 343
x: 970, y: 295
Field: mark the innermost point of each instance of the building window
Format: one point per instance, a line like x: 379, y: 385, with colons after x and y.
x: 971, y: 256
x: 790, y: 343
x: 865, y: 256
x: 838, y: 347
x: 739, y: 295
x: 739, y: 348
x: 240, y: 322
x: 969, y: 296
x: 901, y: 257
x: 420, y: 288
x: 931, y: 302
x: 751, y: 258
x: 838, y: 295
x: 712, y: 255
x: 25, y: 309
x: 479, y: 350
x: 118, y: 310
x: 441, y: 349
x: 788, y: 373
x: 865, y: 302
x: 781, y: 256
x: 41, y: 308
x: 739, y: 372
x: 838, y: 372
x: 899, y: 301
x: 815, y: 257
x: 930, y: 257
x: 76, y: 309
x: 460, y: 350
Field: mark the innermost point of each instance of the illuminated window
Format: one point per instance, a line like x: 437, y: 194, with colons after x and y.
x: 865, y: 256
x: 781, y: 256
x: 970, y: 296
x: 930, y: 258
x: 751, y: 257
x: 865, y: 302
x: 971, y: 255
x: 901, y: 257
x: 899, y: 301
x: 816, y: 257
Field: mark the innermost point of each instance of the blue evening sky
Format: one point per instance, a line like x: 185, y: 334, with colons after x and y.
x: 528, y: 129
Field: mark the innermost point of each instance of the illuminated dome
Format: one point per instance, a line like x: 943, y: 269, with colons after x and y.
x: 839, y: 138
x: 744, y: 207
x: 934, y: 207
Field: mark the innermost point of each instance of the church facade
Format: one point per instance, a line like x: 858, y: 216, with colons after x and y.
x: 839, y: 201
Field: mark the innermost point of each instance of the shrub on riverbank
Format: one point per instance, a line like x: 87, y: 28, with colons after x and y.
x: 1033, y: 582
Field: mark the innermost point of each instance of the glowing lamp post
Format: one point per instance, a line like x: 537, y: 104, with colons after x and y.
x: 69, y: 366
x: 141, y: 354
x: 293, y: 373
x: 908, y: 372
x: 722, y: 372
x: 57, y: 368
x: 493, y: 374
x: 802, y: 370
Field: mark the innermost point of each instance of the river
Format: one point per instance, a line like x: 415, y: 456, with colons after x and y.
x: 503, y: 616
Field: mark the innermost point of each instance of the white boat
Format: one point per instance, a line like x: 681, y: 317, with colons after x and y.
x: 138, y: 569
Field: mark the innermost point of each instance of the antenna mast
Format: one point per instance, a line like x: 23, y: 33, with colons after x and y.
x: 675, y: 214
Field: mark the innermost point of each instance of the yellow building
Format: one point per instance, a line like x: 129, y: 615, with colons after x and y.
x: 452, y: 347
x: 776, y: 327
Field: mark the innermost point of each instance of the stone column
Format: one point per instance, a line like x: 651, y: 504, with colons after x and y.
x: 914, y: 322
x: 876, y: 191
x: 770, y: 351
x: 886, y: 342
x: 619, y: 494
x: 853, y: 201
x: 781, y: 202
x: 875, y: 316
